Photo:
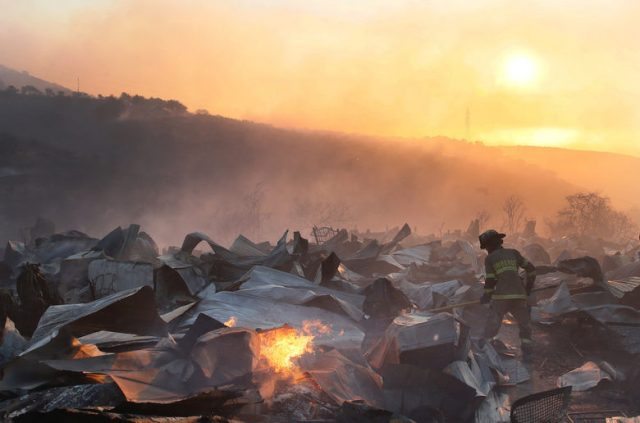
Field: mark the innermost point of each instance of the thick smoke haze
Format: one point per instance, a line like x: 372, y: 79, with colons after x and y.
x: 93, y: 164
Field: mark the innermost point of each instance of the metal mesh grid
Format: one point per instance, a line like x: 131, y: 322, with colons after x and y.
x: 543, y: 407
x: 599, y: 416
x: 323, y: 233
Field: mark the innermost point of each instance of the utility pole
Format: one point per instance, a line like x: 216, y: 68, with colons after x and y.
x: 467, y: 124
x: 78, y: 85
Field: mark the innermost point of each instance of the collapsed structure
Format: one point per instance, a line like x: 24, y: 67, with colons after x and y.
x: 340, y: 330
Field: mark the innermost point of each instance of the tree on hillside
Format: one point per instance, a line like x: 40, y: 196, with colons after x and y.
x: 513, y: 208
x: 11, y: 90
x: 176, y: 106
x: 110, y: 108
x: 621, y: 226
x: 30, y: 90
x: 585, y: 212
x: 589, y: 213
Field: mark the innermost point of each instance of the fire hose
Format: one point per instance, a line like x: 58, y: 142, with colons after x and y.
x: 452, y: 306
x: 468, y: 303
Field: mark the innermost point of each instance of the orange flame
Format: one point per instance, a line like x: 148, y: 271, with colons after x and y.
x: 280, y: 347
x: 231, y: 322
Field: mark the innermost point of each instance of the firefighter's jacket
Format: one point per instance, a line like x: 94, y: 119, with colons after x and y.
x: 502, y: 279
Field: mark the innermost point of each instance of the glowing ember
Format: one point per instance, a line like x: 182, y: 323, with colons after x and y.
x: 231, y: 322
x: 315, y: 327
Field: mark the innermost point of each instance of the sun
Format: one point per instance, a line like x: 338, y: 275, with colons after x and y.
x: 520, y: 70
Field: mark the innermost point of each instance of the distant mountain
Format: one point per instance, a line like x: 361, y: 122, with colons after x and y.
x: 19, y: 79
x: 95, y: 163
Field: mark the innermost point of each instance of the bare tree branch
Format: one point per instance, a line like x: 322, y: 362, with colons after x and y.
x: 513, y: 208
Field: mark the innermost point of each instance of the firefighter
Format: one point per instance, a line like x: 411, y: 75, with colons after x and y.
x: 504, y: 287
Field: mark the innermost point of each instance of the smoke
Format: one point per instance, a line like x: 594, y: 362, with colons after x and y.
x: 401, y: 68
x: 178, y: 173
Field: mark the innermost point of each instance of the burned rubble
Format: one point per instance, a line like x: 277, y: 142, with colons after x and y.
x: 341, y: 328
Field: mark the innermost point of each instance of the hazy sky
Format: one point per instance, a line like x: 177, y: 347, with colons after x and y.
x: 561, y: 73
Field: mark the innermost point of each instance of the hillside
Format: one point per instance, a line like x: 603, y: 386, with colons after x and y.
x: 93, y: 163
x: 613, y: 174
x: 19, y: 79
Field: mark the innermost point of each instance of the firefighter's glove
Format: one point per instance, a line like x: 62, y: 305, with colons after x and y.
x: 530, y: 282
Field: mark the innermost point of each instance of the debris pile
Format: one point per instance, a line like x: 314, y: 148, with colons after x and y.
x: 340, y: 329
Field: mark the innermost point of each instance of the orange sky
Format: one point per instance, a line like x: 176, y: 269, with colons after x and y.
x: 398, y: 67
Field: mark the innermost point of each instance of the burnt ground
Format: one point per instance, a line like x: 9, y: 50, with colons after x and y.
x: 565, y: 346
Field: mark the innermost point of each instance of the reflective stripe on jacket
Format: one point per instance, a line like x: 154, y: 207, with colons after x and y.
x: 502, y: 278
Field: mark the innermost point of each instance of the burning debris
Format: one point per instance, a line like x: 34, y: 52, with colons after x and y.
x: 343, y: 329
x: 280, y: 347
